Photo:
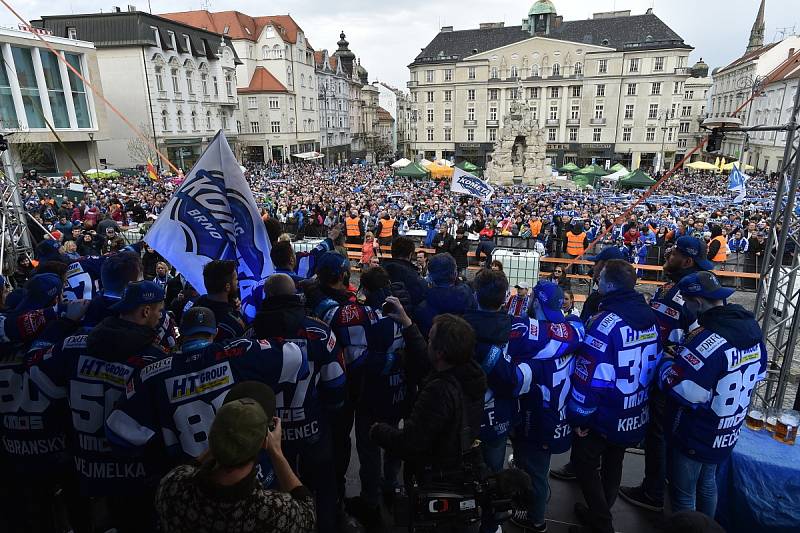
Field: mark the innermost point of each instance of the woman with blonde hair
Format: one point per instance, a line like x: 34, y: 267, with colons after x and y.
x: 369, y: 249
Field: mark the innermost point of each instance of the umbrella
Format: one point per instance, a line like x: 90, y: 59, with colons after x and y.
x: 702, y: 165
x: 636, y: 180
x: 738, y: 164
x: 569, y: 167
x: 716, y: 163
x: 401, y: 163
x: 467, y: 166
x: 722, y: 164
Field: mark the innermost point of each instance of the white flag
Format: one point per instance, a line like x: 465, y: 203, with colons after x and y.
x: 213, y: 215
x: 466, y: 183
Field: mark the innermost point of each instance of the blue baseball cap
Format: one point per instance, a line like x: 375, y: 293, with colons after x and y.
x: 606, y: 254
x: 696, y: 249
x: 40, y: 291
x: 198, y: 320
x: 138, y: 293
x: 333, y: 263
x: 442, y: 269
x: 704, y: 285
x: 551, y: 300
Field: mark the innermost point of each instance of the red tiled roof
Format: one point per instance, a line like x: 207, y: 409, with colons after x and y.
x: 382, y: 114
x: 263, y: 82
x: 749, y: 56
x: 240, y: 26
x: 789, y: 69
x: 332, y: 60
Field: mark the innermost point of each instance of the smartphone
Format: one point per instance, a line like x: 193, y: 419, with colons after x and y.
x: 387, y: 308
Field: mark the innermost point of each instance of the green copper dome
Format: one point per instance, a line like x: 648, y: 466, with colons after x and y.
x: 542, y: 7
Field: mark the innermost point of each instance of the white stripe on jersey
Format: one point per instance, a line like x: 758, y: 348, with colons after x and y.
x: 46, y: 385
x: 527, y: 377
x: 358, y: 343
x: 605, y: 372
x: 331, y: 371
x: 292, y: 363
x: 692, y: 392
x: 128, y: 429
x: 545, y: 393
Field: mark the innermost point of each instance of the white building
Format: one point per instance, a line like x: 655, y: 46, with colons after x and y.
x: 172, y: 81
x: 606, y: 88
x: 693, y: 110
x: 36, y: 88
x: 277, y: 45
x: 333, y: 84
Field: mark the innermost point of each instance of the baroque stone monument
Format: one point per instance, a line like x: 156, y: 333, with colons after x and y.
x: 519, y: 152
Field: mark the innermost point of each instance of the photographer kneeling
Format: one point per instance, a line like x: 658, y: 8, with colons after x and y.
x: 439, y: 434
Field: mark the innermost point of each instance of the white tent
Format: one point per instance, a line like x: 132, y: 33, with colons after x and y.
x: 309, y: 155
x: 616, y: 176
x: 425, y: 163
x: 400, y: 163
x: 444, y: 162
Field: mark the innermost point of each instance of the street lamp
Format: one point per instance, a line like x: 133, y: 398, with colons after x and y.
x: 93, y: 148
x: 666, y: 116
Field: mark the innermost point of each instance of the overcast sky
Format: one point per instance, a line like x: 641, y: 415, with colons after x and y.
x: 388, y: 35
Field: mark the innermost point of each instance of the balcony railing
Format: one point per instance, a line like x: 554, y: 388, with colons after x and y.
x: 552, y: 122
x: 491, y: 123
x: 573, y: 122
x: 597, y: 121
x: 470, y: 123
x: 411, y: 84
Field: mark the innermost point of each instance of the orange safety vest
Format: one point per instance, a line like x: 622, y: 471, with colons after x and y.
x: 353, y: 226
x: 387, y: 227
x: 575, y: 243
x: 722, y: 253
x: 536, y: 227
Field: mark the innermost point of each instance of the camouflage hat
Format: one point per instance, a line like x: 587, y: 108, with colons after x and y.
x: 238, y: 432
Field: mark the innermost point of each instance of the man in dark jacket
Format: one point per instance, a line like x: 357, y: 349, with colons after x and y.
x: 444, y: 295
x: 485, y: 247
x: 443, y: 241
x: 430, y: 439
x: 401, y: 269
x: 222, y: 286
x: 459, y: 249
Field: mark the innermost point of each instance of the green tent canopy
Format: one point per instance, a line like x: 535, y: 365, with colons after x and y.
x: 636, y: 180
x: 569, y: 167
x: 466, y: 166
x: 414, y: 170
x: 592, y: 170
x: 582, y: 181
x: 617, y: 167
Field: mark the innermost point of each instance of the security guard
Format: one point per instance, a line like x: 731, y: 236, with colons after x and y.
x: 353, y: 228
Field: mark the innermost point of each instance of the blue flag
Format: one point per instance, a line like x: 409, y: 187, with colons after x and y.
x: 213, y: 215
x: 465, y: 183
x: 736, y: 183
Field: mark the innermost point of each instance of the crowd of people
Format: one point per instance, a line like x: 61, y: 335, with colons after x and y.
x: 132, y: 400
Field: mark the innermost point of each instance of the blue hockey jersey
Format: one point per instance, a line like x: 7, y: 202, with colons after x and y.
x: 547, y: 348
x: 614, y: 367
x: 710, y: 382
x: 674, y: 319
x: 83, y: 278
x: 172, y: 401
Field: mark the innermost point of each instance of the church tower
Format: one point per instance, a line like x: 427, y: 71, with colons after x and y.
x: 757, y: 33
x: 541, y: 18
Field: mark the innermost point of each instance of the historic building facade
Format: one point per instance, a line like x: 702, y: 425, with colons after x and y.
x: 36, y: 88
x: 172, y: 81
x: 608, y: 88
x: 693, y: 111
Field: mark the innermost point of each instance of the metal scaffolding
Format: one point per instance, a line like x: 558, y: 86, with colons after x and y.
x: 15, y: 238
x: 778, y: 291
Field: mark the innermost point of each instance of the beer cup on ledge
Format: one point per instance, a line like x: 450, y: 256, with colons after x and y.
x: 786, y: 427
x: 755, y: 419
x: 771, y: 419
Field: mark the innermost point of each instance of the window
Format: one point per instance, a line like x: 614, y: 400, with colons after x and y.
x: 576, y: 91
x: 552, y: 134
x: 79, y: 99
x: 650, y: 135
x: 208, y: 120
x: 513, y: 94
x: 430, y: 134
x: 175, y: 87
x: 448, y: 96
x: 670, y: 135
x: 494, y: 94
x: 633, y: 66
x: 579, y: 69
x: 204, y: 83
x: 492, y: 133
x: 553, y: 92
x: 470, y: 94
x: 194, y: 121
x: 575, y: 111
x: 688, y: 95
x: 573, y: 135
x: 628, y: 111
x: 274, y: 103
x: 655, y: 88
x: 533, y: 92
x: 470, y: 134
x: 598, y: 111
x: 493, y: 113
x: 55, y: 90
x: 602, y: 66
x: 448, y: 74
x: 164, y: 121
x: 254, y: 127
x: 252, y: 102
x: 631, y: 89
x: 275, y: 126
x: 677, y: 87
x: 535, y: 71
x: 686, y: 111
x: 216, y: 87
x: 596, y: 133
x: 429, y: 76
x: 514, y: 72
x: 160, y: 79
x: 626, y: 134
x: 448, y: 134
x: 470, y: 113
x: 681, y: 143
x: 652, y: 112
x: 448, y: 115
x: 224, y: 118
x: 556, y: 69
x: 658, y: 65
x: 684, y: 127
x: 601, y: 90
x: 494, y: 74
x: 180, y: 120
x: 553, y: 112
x: 429, y: 96
x: 72, y: 33
x: 229, y: 84
x: 430, y: 115
x: 471, y: 73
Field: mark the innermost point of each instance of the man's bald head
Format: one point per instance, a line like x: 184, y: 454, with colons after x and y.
x: 280, y: 285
